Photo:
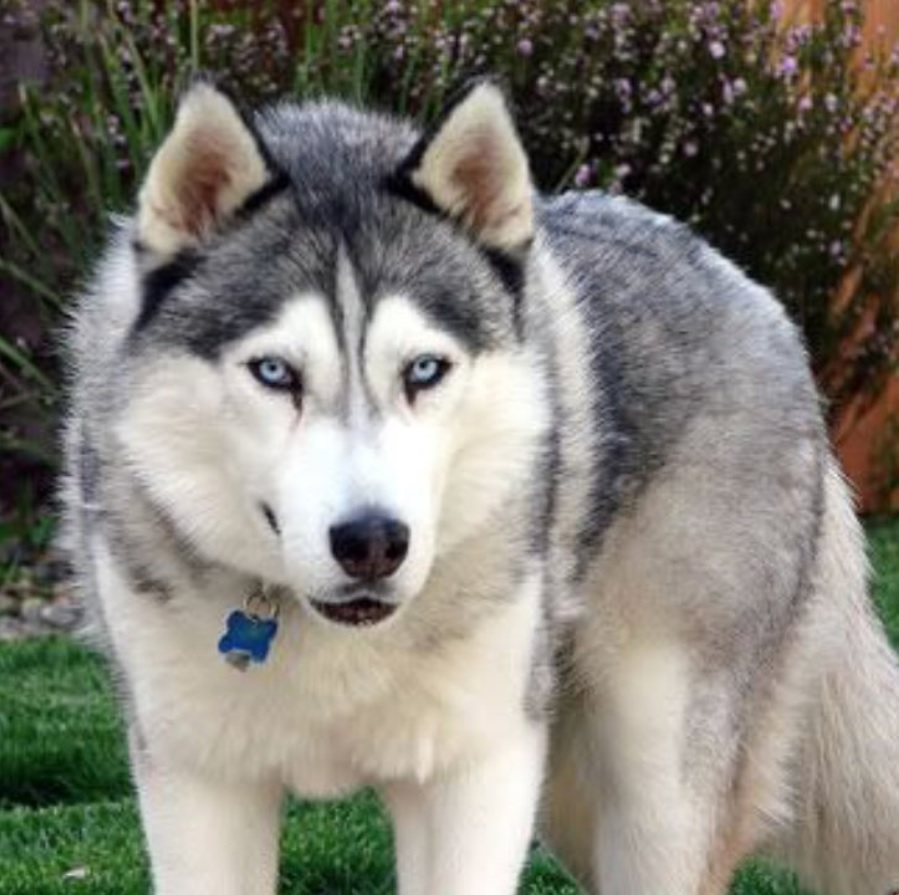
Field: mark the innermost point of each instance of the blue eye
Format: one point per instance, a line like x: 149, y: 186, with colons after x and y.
x: 424, y: 372
x: 275, y: 373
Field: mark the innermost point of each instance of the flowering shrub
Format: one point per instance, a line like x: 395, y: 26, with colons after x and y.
x: 772, y: 138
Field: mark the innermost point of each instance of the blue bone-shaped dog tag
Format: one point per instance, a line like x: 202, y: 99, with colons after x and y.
x: 247, y: 639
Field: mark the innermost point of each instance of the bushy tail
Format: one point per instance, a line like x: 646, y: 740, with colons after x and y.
x: 845, y: 835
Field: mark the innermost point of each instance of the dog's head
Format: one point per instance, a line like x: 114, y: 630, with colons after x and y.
x: 331, y: 388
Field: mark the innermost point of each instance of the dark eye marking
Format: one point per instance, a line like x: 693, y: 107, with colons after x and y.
x: 161, y: 281
x: 424, y: 372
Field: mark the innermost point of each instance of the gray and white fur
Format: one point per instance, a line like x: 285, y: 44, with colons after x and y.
x: 540, y: 486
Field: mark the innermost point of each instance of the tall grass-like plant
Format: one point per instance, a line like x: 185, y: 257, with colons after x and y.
x: 775, y: 139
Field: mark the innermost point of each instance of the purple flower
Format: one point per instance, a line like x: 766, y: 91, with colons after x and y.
x: 691, y: 148
x: 525, y: 47
x: 716, y: 49
x: 788, y: 66
x: 345, y: 40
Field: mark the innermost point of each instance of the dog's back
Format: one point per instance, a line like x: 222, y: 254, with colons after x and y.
x: 731, y: 690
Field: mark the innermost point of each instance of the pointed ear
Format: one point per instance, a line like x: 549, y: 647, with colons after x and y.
x: 472, y: 166
x: 208, y: 166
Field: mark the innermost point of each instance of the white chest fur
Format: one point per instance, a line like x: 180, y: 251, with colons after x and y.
x: 332, y: 709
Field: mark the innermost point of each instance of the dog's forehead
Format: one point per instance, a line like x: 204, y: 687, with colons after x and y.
x: 334, y: 206
x: 243, y: 282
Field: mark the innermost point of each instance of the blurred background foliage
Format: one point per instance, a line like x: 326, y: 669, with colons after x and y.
x: 776, y: 138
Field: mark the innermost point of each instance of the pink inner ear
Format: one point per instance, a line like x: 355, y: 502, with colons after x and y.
x: 201, y: 187
x: 479, y: 177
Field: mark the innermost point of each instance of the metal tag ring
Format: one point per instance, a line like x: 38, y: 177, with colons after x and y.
x: 262, y: 604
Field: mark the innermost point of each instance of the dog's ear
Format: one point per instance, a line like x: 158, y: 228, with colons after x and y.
x: 208, y: 166
x: 472, y: 167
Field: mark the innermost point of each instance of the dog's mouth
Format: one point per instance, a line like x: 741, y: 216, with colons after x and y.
x: 357, y: 613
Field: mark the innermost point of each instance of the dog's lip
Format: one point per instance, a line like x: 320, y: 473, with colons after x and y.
x: 361, y: 611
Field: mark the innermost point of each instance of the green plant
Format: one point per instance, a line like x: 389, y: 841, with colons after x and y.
x: 776, y: 140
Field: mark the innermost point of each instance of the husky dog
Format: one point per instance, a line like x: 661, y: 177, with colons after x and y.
x: 385, y: 471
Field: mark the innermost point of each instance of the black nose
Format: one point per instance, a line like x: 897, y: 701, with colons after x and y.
x: 370, y: 546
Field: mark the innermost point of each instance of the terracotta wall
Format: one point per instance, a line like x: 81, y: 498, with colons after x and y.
x: 863, y: 444
x: 884, y: 13
x: 868, y: 441
x: 878, y: 14
x: 876, y: 431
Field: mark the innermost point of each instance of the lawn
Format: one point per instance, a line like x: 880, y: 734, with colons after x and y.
x: 68, y: 822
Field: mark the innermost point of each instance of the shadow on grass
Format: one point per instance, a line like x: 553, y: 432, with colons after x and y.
x: 61, y: 740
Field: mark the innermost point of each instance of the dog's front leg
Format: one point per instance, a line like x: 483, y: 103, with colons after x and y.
x: 467, y: 832
x: 206, y: 836
x: 408, y: 810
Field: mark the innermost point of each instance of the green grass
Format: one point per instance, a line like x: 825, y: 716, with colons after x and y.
x: 884, y: 548
x: 60, y: 737
x: 66, y: 805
